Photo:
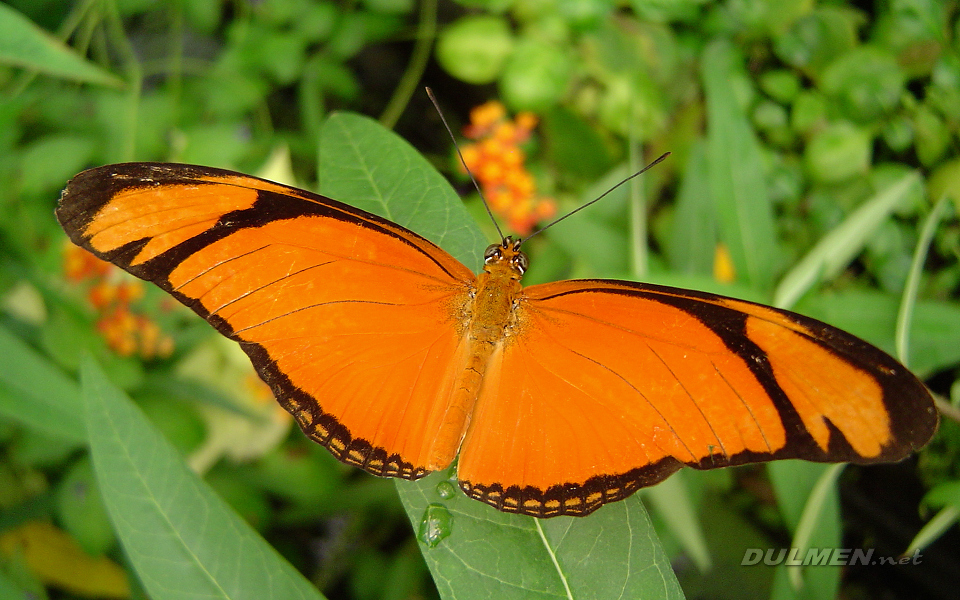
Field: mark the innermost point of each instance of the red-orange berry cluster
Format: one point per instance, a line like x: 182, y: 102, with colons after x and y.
x: 497, y: 161
x: 112, y: 295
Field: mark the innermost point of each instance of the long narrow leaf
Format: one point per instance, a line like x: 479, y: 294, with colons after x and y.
x: 909, y: 299
x: 36, y: 392
x: 23, y: 44
x: 734, y: 162
x: 835, y: 250
x: 181, y: 538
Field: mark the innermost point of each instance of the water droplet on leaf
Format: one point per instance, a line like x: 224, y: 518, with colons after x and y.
x: 435, y: 525
x: 446, y: 490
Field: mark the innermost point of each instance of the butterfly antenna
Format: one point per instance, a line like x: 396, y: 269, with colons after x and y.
x: 486, y: 205
x: 599, y: 198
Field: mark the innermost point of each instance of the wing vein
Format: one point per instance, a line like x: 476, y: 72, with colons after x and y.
x: 309, y: 306
x: 255, y: 290
x: 217, y: 265
x: 627, y: 382
x: 692, y: 399
x: 746, y: 405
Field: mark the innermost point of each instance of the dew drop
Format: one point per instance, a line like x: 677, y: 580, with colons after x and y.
x: 446, y: 490
x: 435, y: 525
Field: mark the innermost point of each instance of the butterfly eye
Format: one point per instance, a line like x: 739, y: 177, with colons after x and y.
x: 521, y: 262
x: 492, y: 252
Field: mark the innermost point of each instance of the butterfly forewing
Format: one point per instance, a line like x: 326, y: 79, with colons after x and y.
x: 352, y: 320
x: 607, y: 386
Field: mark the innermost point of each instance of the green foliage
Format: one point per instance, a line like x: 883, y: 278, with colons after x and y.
x: 474, y: 48
x: 810, y: 139
x: 182, y: 538
x: 488, y: 553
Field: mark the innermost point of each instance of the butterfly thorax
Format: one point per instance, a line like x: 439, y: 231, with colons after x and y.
x: 492, y: 315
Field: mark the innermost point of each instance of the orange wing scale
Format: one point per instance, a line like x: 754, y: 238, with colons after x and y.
x: 566, y: 395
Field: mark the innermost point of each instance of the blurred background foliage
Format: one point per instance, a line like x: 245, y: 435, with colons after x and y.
x: 810, y: 141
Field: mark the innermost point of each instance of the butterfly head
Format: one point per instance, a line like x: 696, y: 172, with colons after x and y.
x: 506, y: 254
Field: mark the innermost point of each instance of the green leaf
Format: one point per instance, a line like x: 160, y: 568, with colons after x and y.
x: 944, y: 494
x: 613, y: 553
x: 53, y: 159
x: 575, y: 148
x: 864, y: 83
x: 693, y: 235
x: 794, y: 482
x: 36, y: 392
x: 734, y: 164
x: 182, y: 539
x: 536, y: 75
x: 838, y: 152
x: 80, y: 509
x: 475, y: 48
x: 909, y: 298
x: 372, y: 168
x: 817, y: 38
x: 23, y: 44
x: 364, y: 164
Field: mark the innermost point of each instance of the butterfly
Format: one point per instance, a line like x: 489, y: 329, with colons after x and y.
x: 554, y: 399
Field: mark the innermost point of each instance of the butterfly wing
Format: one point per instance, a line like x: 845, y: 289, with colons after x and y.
x: 605, y: 387
x: 351, y: 319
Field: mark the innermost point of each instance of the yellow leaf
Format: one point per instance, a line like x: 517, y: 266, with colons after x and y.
x: 57, y: 560
x: 723, y: 270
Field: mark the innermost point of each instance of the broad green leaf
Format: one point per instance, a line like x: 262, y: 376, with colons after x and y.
x: 671, y: 499
x: 735, y: 168
x: 23, y: 44
x: 182, y: 539
x: 370, y: 167
x: 837, y: 248
x: 613, y: 553
x: 614, y: 549
x: 15, y: 590
x: 36, y: 392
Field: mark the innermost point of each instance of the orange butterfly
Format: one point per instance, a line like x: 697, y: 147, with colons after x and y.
x: 557, y: 397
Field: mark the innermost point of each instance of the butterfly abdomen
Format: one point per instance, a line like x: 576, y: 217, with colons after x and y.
x: 490, y: 314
